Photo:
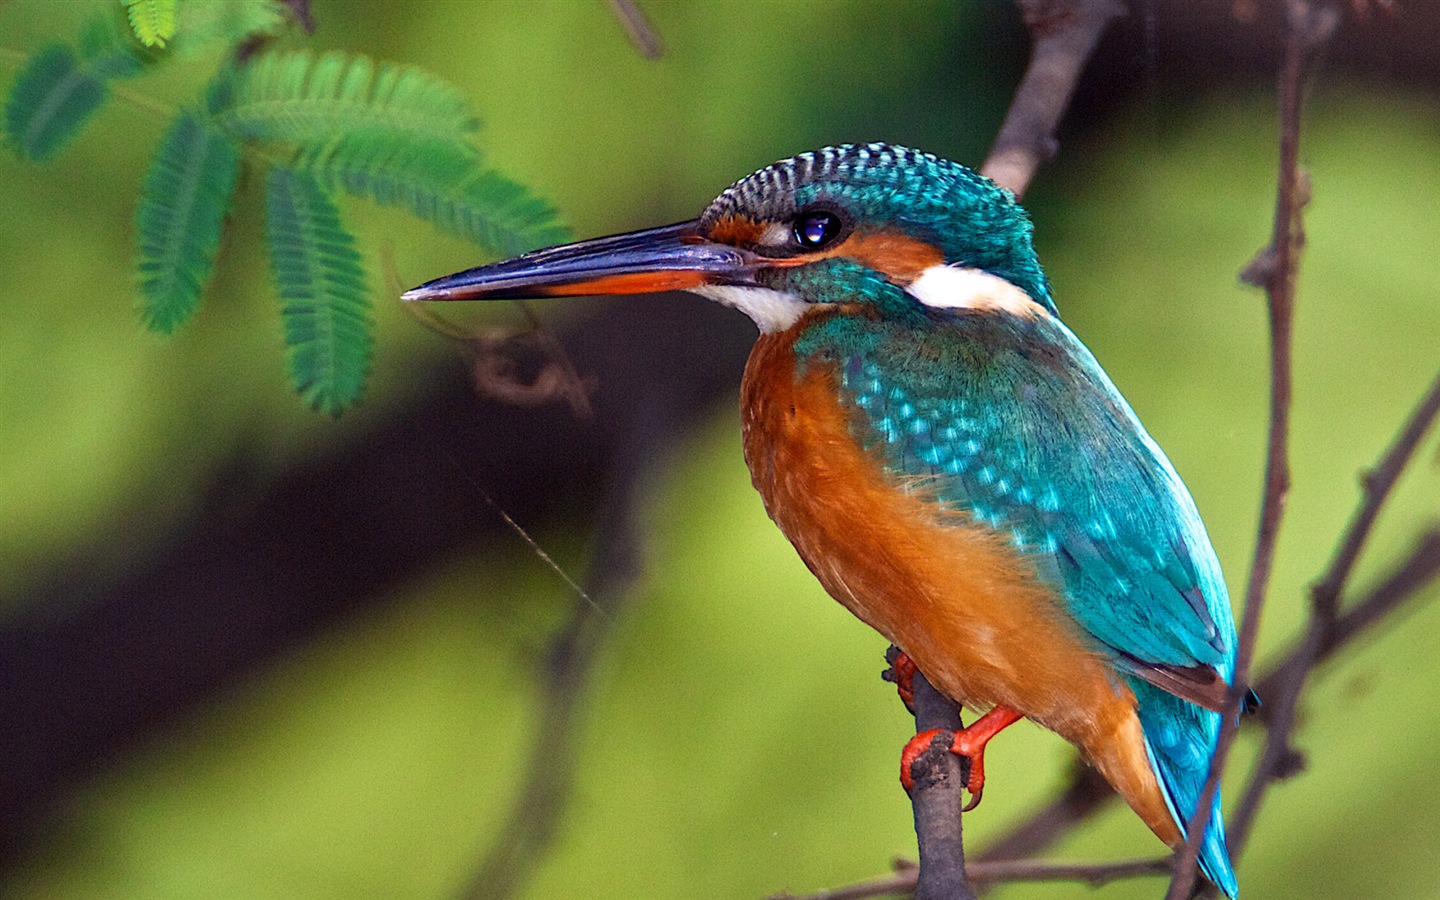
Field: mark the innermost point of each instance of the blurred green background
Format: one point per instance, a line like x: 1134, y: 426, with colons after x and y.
x: 737, y: 740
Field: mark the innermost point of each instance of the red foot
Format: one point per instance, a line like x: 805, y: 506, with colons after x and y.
x: 902, y: 672
x: 967, y: 742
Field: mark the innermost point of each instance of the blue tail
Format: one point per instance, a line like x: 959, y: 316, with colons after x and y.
x: 1180, y: 738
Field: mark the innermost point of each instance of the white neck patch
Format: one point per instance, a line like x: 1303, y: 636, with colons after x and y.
x: 772, y: 310
x: 953, y: 287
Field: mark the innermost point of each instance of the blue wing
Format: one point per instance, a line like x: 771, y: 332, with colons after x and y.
x: 1014, y: 421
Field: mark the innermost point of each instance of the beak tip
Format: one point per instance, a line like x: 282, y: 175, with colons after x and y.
x: 426, y: 292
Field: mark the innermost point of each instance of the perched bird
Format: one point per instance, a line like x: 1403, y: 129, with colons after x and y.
x: 948, y: 458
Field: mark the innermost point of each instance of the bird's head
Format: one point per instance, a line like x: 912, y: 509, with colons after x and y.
x: 900, y: 232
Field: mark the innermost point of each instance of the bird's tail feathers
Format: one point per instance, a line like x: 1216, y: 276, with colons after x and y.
x: 1182, y: 764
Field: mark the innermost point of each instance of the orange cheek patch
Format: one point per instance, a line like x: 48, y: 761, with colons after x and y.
x: 634, y: 283
x: 900, y: 257
x: 737, y: 230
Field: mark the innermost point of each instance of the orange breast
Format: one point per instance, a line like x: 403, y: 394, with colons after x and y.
x: 956, y: 597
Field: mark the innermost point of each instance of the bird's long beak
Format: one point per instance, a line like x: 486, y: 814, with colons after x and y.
x: 671, y: 258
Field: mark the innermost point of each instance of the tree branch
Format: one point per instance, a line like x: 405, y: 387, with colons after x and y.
x: 1000, y: 871
x: 1307, y: 28
x: 1064, y: 33
x: 1283, y: 686
x: 1328, y: 629
x: 642, y: 35
x: 938, y: 798
x: 647, y: 423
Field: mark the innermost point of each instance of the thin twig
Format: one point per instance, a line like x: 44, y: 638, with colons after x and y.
x: 643, y: 36
x: 1307, y: 27
x: 899, y: 884
x: 1064, y: 34
x: 1283, y: 685
x: 1279, y: 759
x: 902, y: 882
x: 569, y: 666
x: 1092, y: 874
x: 1087, y: 792
x: 1377, y: 485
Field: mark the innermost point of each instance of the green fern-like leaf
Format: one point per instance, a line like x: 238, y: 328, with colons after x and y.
x: 183, y: 203
x: 153, y: 21
x: 324, y: 302
x: 51, y: 98
x: 504, y: 215
x: 58, y: 91
x: 438, y: 181
x: 300, y: 98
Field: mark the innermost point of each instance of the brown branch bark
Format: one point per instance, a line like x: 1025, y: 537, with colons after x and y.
x: 938, y: 798
x: 549, y: 770
x: 1064, y: 34
x: 1307, y: 28
x: 998, y: 872
x: 1087, y: 793
x: 647, y: 424
x: 1328, y: 629
x: 1283, y: 686
x: 642, y: 35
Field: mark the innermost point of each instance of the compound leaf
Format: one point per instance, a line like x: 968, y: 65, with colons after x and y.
x: 324, y: 302
x: 183, y: 203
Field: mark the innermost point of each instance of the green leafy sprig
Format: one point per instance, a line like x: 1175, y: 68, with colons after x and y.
x: 316, y: 126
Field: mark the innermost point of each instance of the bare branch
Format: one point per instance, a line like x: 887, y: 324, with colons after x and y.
x: 569, y: 663
x: 1328, y: 629
x: 1307, y: 28
x: 495, y: 359
x: 938, y: 798
x: 1064, y: 34
x: 1377, y: 485
x: 901, y: 883
x: 1087, y: 792
x: 643, y: 36
x: 1283, y: 685
x: 1092, y: 874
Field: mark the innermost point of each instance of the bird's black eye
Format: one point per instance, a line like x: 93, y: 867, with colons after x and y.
x: 816, y: 229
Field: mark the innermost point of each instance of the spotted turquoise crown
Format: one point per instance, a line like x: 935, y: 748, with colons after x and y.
x: 973, y: 221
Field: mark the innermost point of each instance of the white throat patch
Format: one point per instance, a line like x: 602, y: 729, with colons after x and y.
x: 953, y: 287
x: 772, y: 310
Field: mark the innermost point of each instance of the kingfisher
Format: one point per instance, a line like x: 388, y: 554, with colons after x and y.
x: 948, y: 459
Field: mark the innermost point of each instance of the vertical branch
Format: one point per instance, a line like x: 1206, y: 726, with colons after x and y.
x: 1275, y: 268
x: 569, y: 664
x: 938, y: 799
x: 1064, y: 33
x: 643, y: 36
x: 1327, y: 627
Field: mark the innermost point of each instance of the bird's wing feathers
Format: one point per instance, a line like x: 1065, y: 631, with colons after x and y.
x: 1035, y: 442
x: 1014, y: 423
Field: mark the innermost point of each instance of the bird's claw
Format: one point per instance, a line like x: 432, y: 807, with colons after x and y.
x: 972, y: 758
x: 902, y: 673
